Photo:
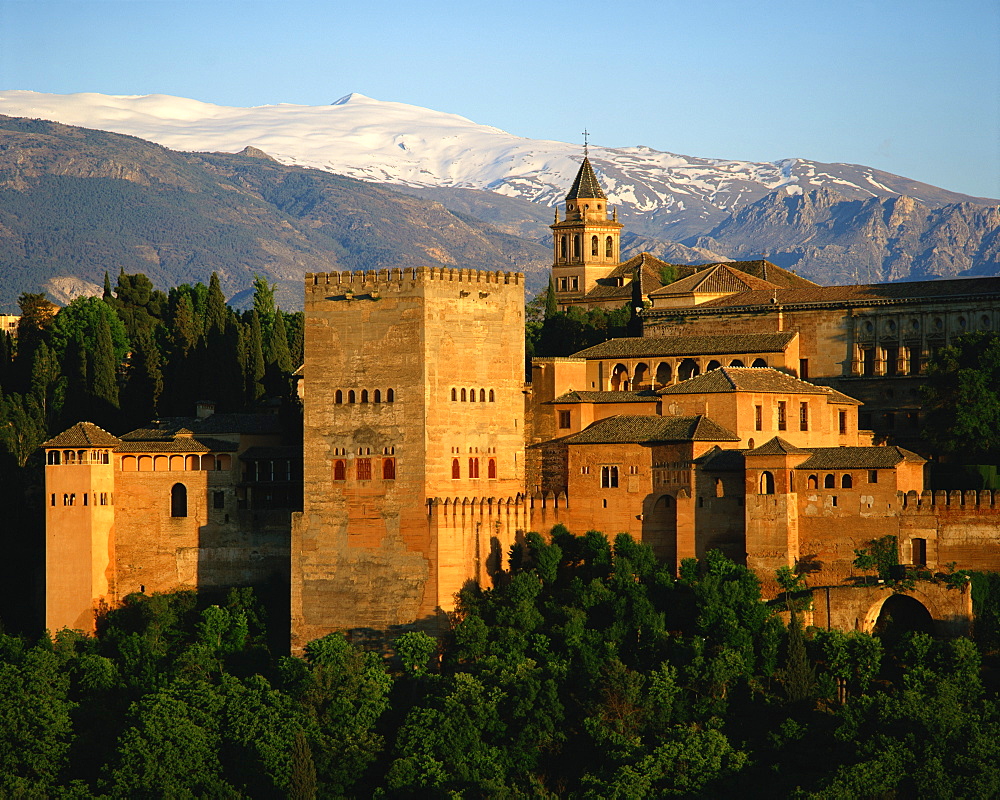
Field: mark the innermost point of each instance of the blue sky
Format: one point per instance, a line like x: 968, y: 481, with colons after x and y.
x: 908, y: 87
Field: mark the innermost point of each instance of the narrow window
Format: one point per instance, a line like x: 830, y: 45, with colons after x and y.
x: 389, y: 469
x: 350, y: 396
x: 873, y: 476
x: 563, y: 284
x: 813, y: 482
x: 454, y: 395
x: 364, y: 395
x: 564, y: 419
x: 491, y: 469
x: 463, y: 396
x: 472, y: 395
x: 782, y: 415
x: 846, y: 482
x: 609, y: 248
x: 720, y: 490
x: 473, y: 467
x: 492, y: 397
x: 218, y: 499
x: 758, y: 418
x: 842, y: 422
x: 919, y: 557
x: 456, y: 469
x: 803, y: 416
x: 53, y: 499
x: 593, y: 245
x: 609, y: 477
x: 563, y: 247
x: 86, y: 499
x: 482, y: 395
x: 378, y: 395
x: 830, y: 482
x: 72, y: 499
x: 576, y: 245
x: 65, y: 499
x: 804, y: 368
x: 340, y: 470
x: 390, y: 396
x: 338, y: 397
x: 574, y: 283
x: 178, y: 500
x: 104, y: 498
x: 364, y: 469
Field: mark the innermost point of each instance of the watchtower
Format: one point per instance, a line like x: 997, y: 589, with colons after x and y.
x: 414, y: 380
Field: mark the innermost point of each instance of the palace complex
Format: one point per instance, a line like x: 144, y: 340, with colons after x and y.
x: 758, y: 414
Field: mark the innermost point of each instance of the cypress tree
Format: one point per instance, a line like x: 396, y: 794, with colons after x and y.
x: 145, y: 381
x: 799, y: 674
x: 254, y: 360
x: 216, y: 313
x: 551, y: 309
x: 107, y: 287
x: 104, y: 384
x: 278, y: 351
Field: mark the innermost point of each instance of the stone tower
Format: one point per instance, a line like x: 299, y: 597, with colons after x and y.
x: 586, y: 243
x: 79, y: 525
x: 413, y: 444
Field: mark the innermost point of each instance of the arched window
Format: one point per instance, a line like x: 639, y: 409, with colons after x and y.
x: 759, y: 362
x: 54, y: 457
x: 492, y: 397
x: 350, y: 396
x: 846, y: 482
x: 766, y: 483
x: 576, y: 245
x: 390, y: 396
x: 736, y: 363
x: 720, y: 489
x: 378, y: 395
x: 178, y: 500
x: 641, y: 375
x: 813, y: 482
x: 363, y: 469
x: 70, y: 456
x: 473, y: 467
x: 619, y: 378
x: 563, y: 247
x: 472, y: 395
x: 456, y: 469
x: 609, y: 248
x: 364, y: 395
x: 750, y: 444
x: 713, y: 364
x: 830, y: 482
x: 593, y: 245
x: 340, y: 470
x: 389, y: 469
x: 482, y: 395
x: 129, y: 464
x: 338, y: 397
x: 464, y: 398
x: 491, y: 469
x: 688, y: 369
x: 454, y: 394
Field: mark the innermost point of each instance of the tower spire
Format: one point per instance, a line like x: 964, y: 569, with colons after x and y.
x: 586, y: 134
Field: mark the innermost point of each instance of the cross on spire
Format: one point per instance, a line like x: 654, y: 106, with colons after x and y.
x: 586, y: 133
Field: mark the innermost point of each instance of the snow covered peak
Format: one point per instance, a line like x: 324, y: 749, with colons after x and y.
x: 353, y: 97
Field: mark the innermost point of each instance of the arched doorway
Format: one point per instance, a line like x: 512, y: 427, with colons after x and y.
x: 619, y: 378
x: 663, y: 373
x: 641, y: 376
x: 901, y: 614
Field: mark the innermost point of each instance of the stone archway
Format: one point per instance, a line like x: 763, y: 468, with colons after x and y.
x: 659, y: 527
x: 898, y: 614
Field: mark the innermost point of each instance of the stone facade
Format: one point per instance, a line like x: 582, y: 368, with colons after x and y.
x: 413, y: 444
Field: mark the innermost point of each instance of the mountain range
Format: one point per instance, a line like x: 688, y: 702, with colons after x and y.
x: 832, y: 223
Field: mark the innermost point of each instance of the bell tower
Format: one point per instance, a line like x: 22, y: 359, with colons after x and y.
x: 586, y: 242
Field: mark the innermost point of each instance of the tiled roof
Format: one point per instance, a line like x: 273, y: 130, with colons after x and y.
x: 859, y: 458
x: 750, y: 379
x: 644, y: 396
x: 586, y: 184
x: 649, y: 267
x: 649, y: 346
x: 83, y: 434
x: 184, y: 445
x: 629, y: 429
x: 717, y: 279
x: 864, y: 293
x: 719, y: 460
x: 777, y: 447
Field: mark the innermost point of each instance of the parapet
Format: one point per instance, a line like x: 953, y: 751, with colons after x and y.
x: 389, y: 279
x: 955, y: 501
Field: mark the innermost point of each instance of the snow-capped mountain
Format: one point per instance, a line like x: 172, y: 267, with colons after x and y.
x: 669, y: 195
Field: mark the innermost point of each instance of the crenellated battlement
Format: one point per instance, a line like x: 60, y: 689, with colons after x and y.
x: 388, y: 279
x: 953, y: 502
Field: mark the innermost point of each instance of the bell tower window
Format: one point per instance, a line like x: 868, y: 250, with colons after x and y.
x: 609, y: 248
x: 576, y: 245
x: 563, y: 246
x: 593, y: 245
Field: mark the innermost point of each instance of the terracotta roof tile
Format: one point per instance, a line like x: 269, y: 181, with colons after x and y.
x: 859, y: 458
x: 716, y: 279
x: 629, y: 429
x: 83, y: 434
x: 751, y: 379
x: 644, y: 396
x: 777, y: 447
x: 649, y: 346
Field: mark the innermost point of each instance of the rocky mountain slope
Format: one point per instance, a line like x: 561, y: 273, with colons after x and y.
x: 75, y: 203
